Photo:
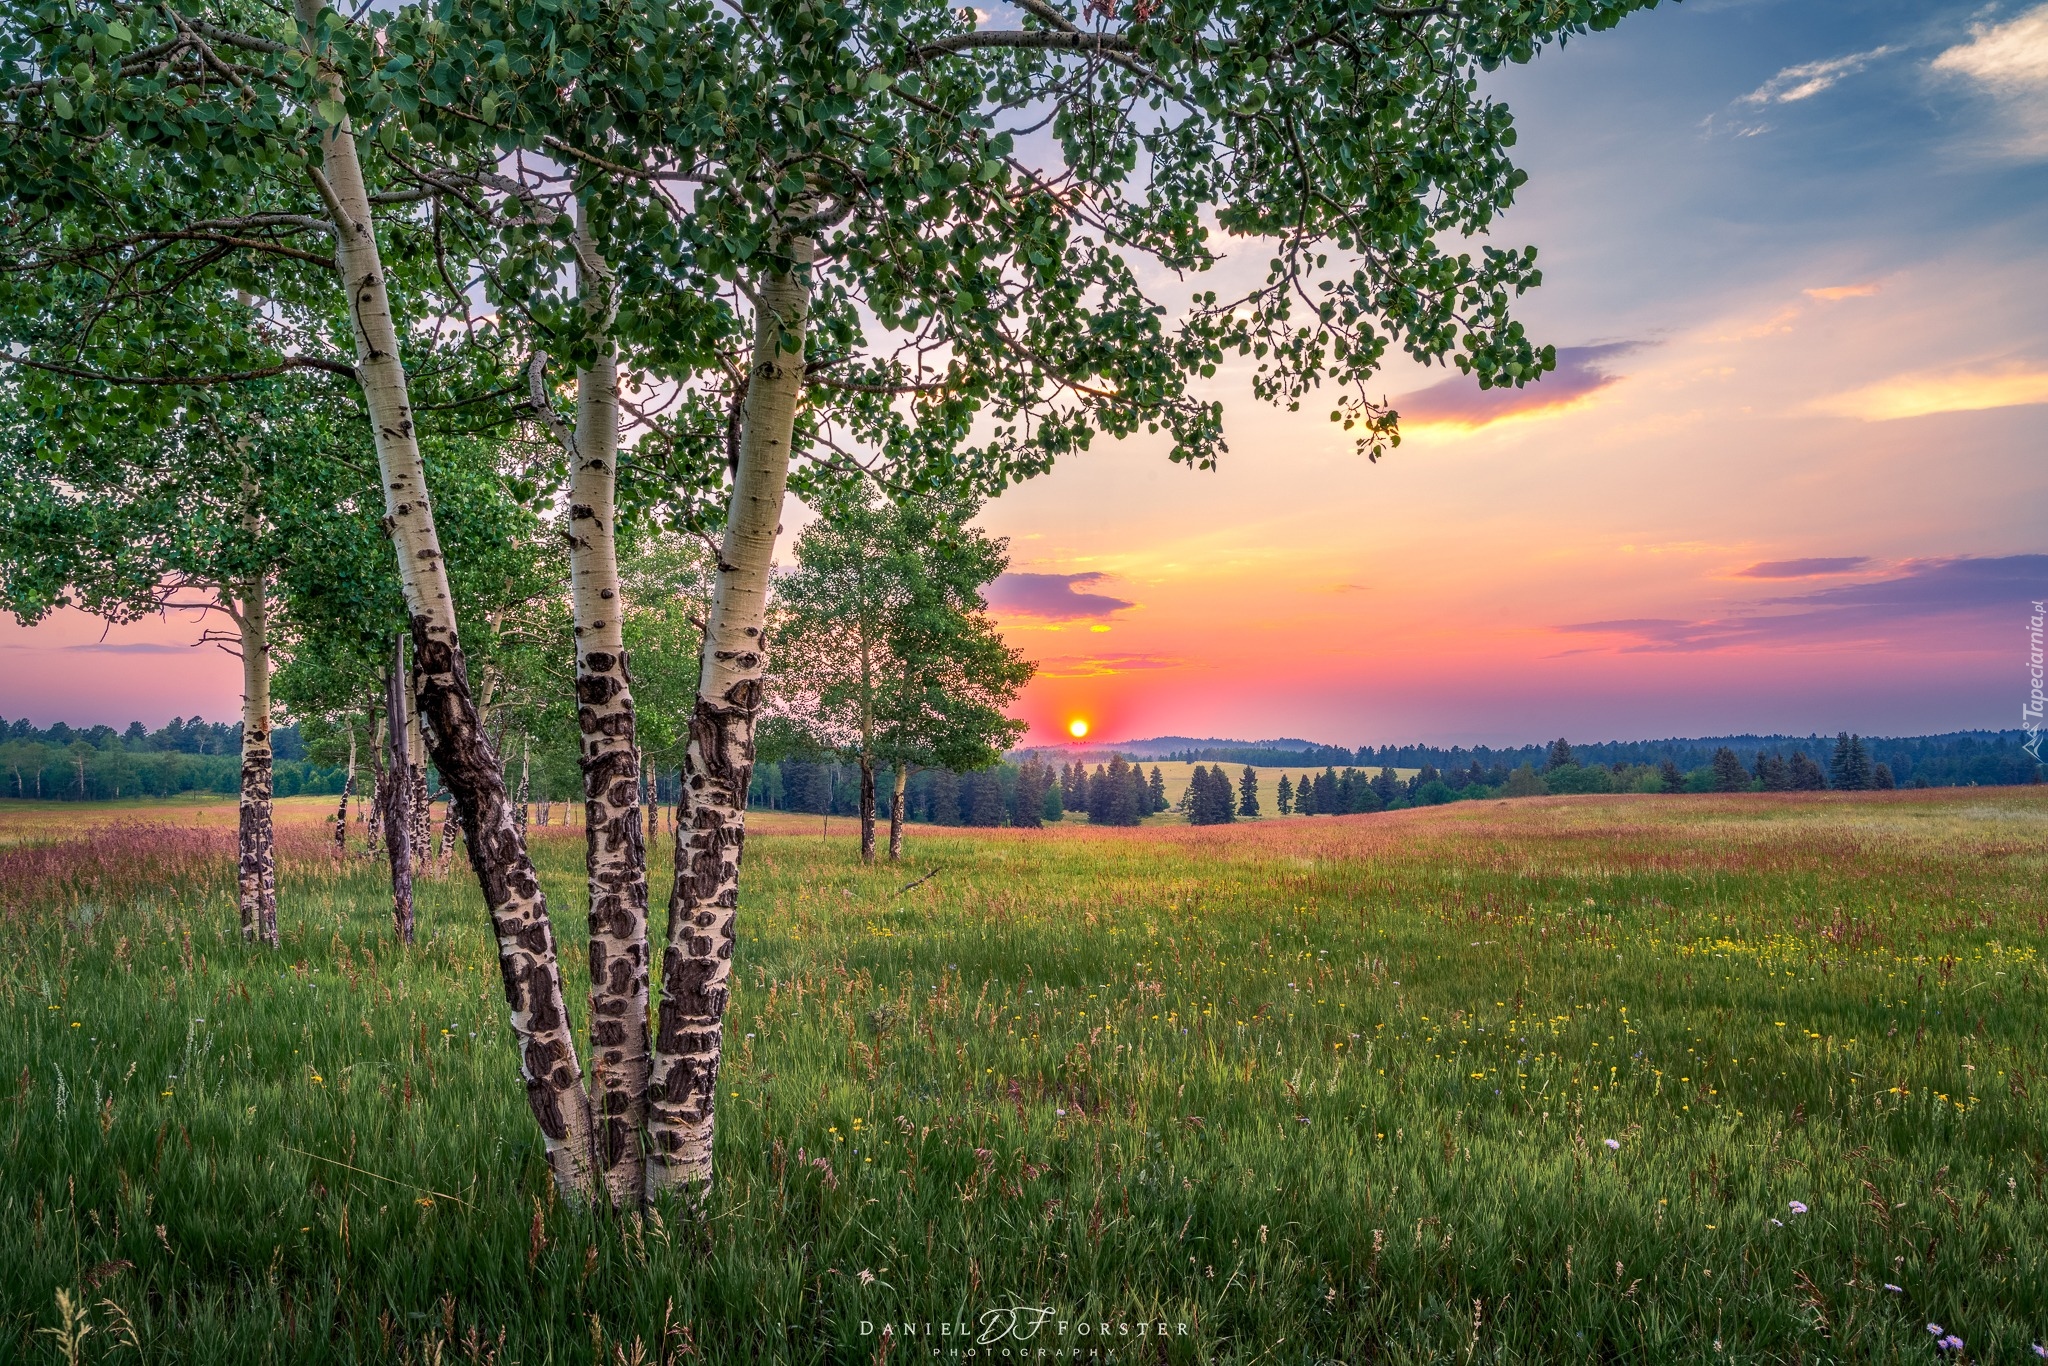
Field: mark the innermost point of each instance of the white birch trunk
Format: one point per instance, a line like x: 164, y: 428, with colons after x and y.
x: 256, y: 863
x: 615, y: 855
x: 896, y: 813
x: 697, y: 964
x: 397, y: 796
x: 527, y: 959
x: 348, y: 787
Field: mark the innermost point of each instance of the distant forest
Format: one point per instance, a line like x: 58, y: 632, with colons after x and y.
x: 1982, y: 758
x: 99, y: 762
x: 63, y: 763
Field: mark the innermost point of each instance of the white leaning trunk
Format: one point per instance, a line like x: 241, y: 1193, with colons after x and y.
x: 697, y: 965
x: 527, y: 958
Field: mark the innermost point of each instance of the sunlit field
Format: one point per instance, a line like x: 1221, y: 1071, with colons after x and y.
x: 1643, y: 1079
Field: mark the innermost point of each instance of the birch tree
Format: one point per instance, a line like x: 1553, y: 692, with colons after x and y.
x: 935, y: 232
x: 880, y: 649
x: 185, y: 160
x: 200, y: 514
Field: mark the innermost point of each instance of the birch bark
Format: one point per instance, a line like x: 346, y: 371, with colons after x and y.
x: 348, y: 789
x: 896, y: 814
x: 527, y: 959
x: 422, y: 804
x: 867, y: 733
x: 398, y: 826
x: 256, y: 861
x: 615, y: 855
x: 697, y: 963
x: 867, y: 808
x: 525, y: 779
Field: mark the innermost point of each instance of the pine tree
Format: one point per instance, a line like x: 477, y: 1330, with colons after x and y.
x: 1729, y: 774
x: 1859, y: 765
x: 1035, y: 781
x: 1284, y: 795
x: 1140, y: 794
x: 1386, y: 785
x: 1772, y: 772
x: 1156, y: 790
x: 1842, y: 766
x: 1326, y: 792
x: 1305, y: 796
x: 1113, y: 796
x: 1248, y: 793
x: 1881, y: 778
x: 1213, y: 803
x: 1804, y: 773
x: 1673, y: 780
x: 1560, y: 754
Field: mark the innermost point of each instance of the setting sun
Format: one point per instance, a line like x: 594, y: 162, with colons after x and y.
x: 1077, y: 728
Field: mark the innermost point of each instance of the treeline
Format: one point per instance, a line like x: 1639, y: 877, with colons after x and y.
x: 1847, y: 763
x: 1957, y: 759
x: 95, y: 763
x: 1027, y: 794
x: 1265, y: 754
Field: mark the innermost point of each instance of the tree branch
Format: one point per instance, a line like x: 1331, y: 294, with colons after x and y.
x: 170, y: 381
x: 1032, y: 40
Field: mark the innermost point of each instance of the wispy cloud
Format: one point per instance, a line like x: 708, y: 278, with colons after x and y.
x: 1804, y: 569
x: 1953, y: 391
x: 1834, y: 293
x: 1460, y: 402
x: 1790, y: 86
x: 1054, y: 597
x: 2009, y: 62
x: 1808, y: 79
x: 1958, y: 602
x: 131, y: 648
x: 1105, y: 666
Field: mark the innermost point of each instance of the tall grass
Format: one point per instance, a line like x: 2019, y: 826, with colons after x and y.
x: 1625, y: 1078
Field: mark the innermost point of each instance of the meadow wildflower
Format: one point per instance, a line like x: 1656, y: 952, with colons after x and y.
x: 1951, y: 1343
x: 1796, y: 1206
x: 1895, y: 1289
x: 1614, y: 1145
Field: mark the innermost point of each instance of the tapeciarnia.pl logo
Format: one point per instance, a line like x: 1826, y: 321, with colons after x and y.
x: 2030, y: 714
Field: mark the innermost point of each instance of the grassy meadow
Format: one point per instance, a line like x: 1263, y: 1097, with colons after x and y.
x: 1700, y: 1079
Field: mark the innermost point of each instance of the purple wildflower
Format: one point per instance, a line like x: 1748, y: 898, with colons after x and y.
x: 1951, y: 1343
x: 1796, y: 1206
x: 1614, y: 1145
